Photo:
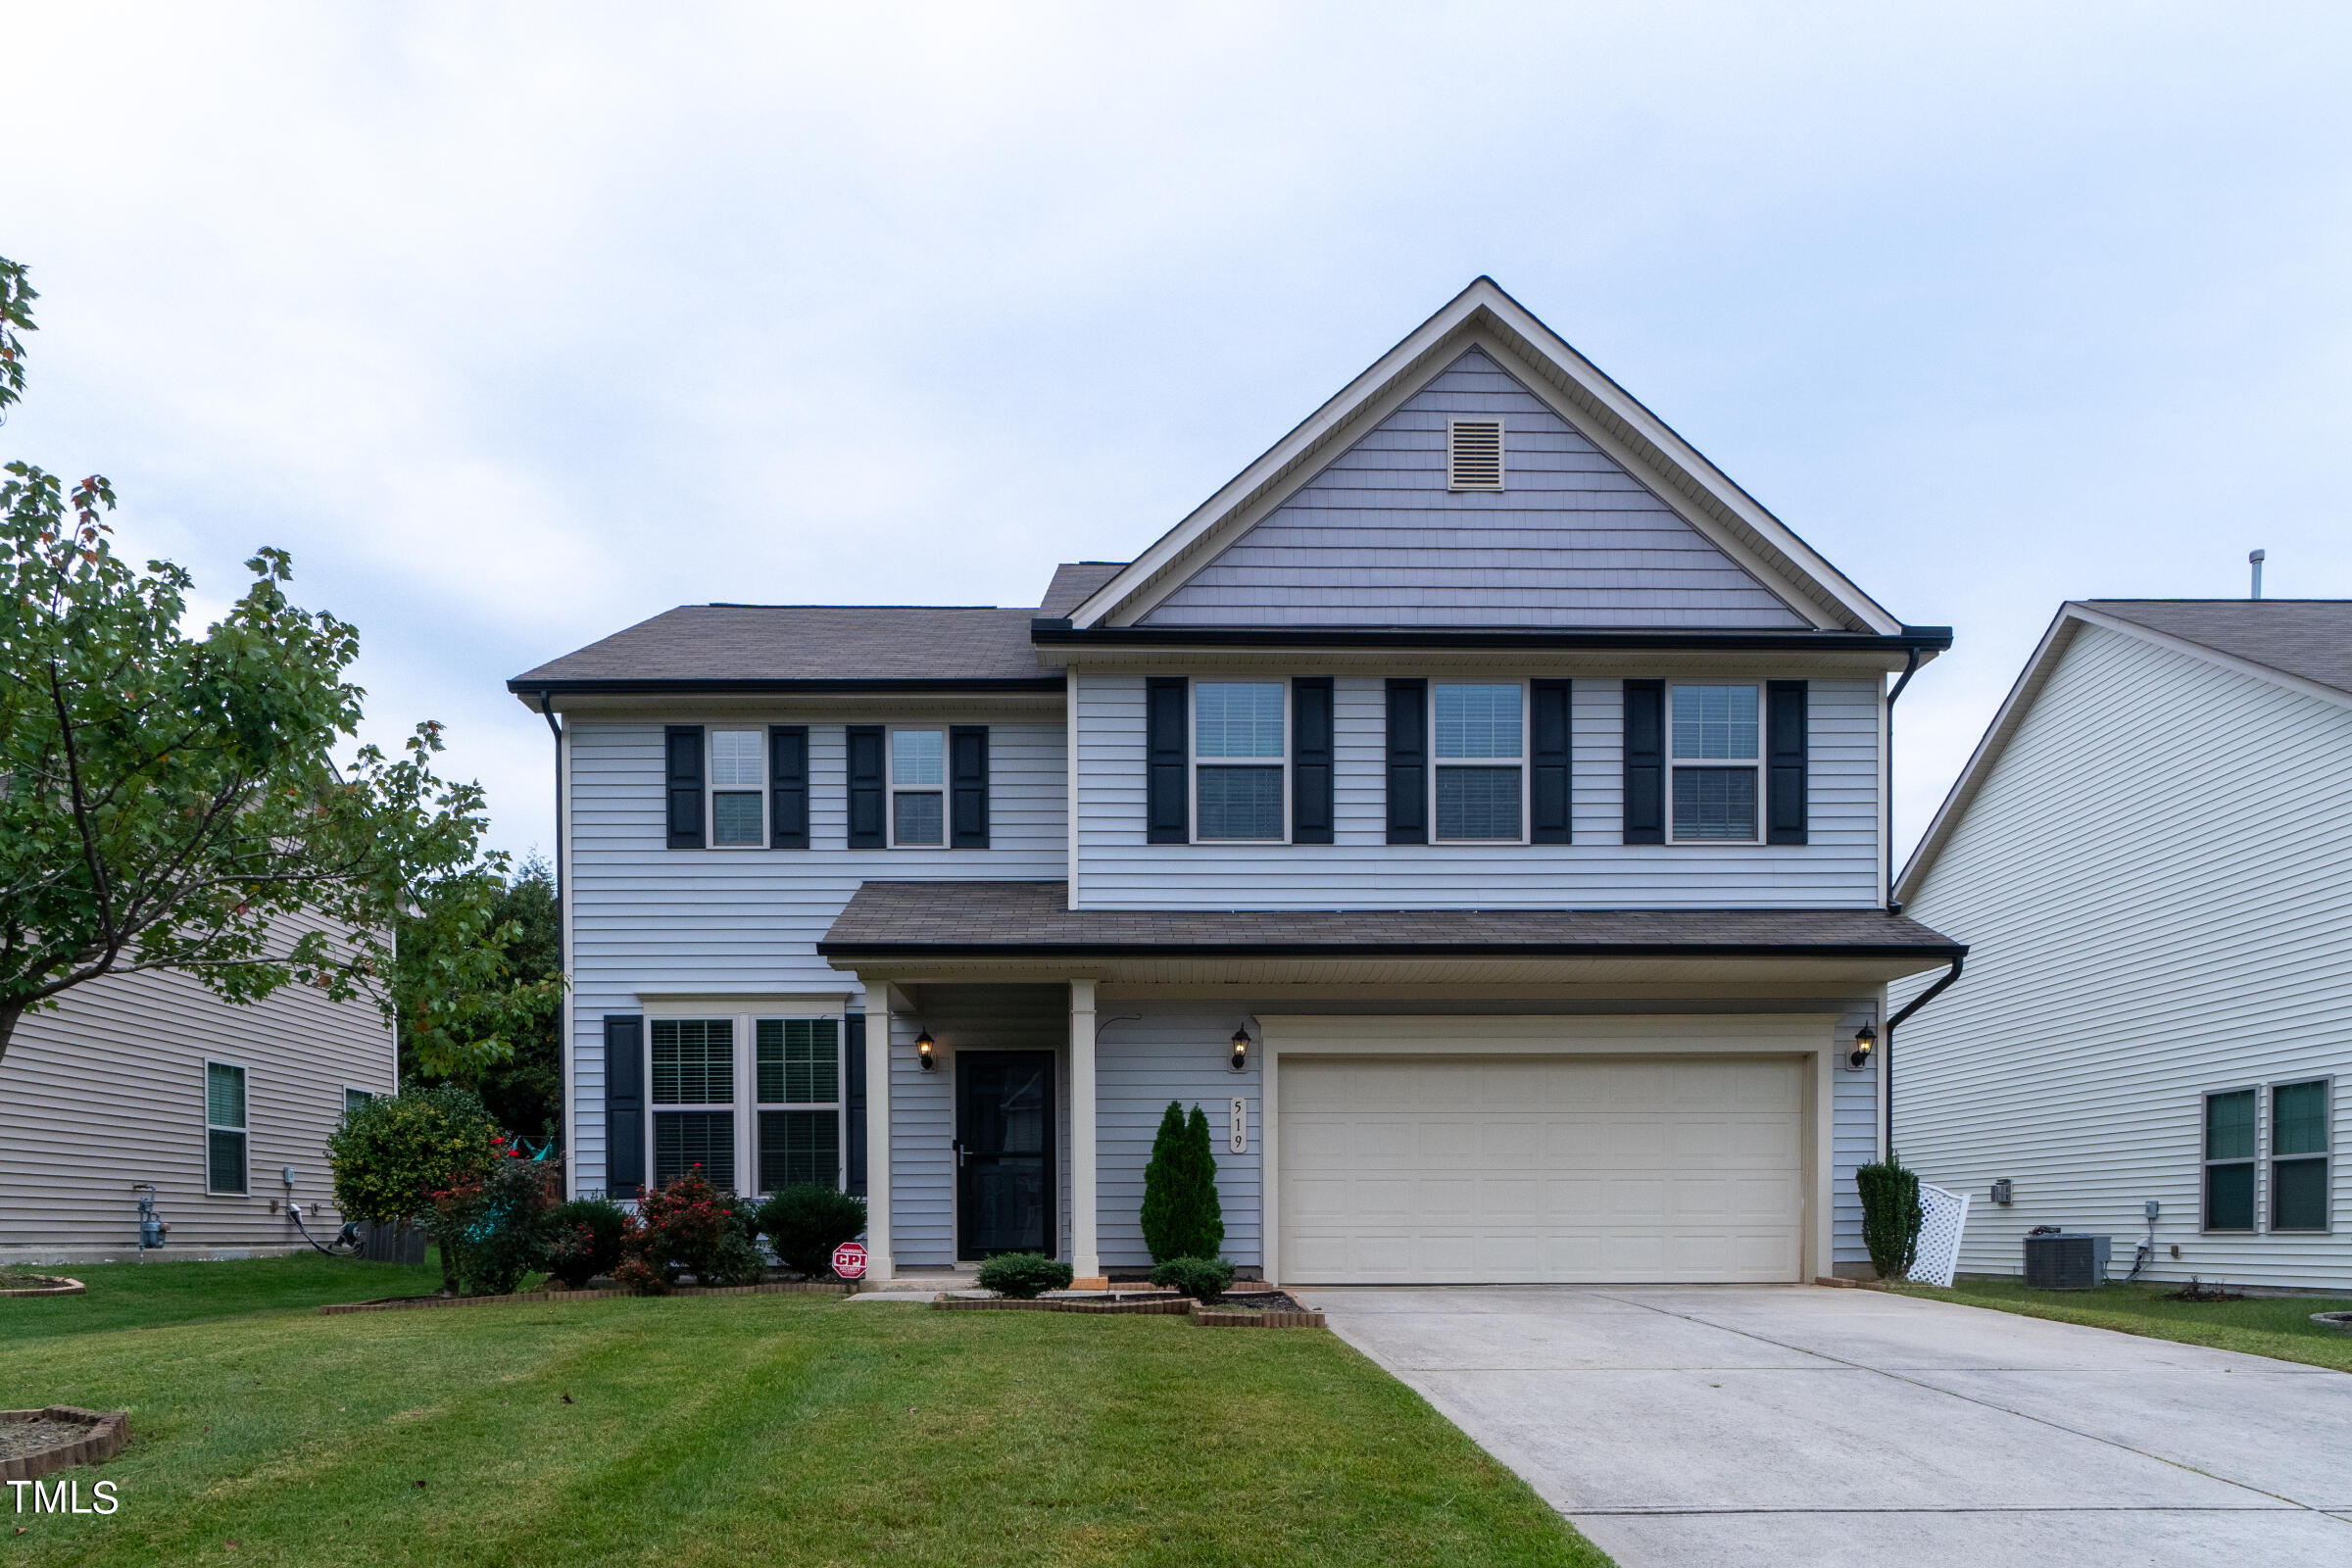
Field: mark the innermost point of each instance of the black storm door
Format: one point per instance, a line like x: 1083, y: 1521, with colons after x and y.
x: 1003, y: 1153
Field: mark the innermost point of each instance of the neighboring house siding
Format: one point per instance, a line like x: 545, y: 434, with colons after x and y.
x: 645, y: 916
x: 109, y: 1090
x: 2156, y: 888
x: 1377, y: 539
x: 1118, y: 869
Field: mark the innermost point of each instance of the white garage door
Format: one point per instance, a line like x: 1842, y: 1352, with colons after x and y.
x: 1553, y: 1170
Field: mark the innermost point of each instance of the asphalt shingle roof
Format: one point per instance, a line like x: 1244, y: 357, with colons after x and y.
x: 2307, y: 637
x: 724, y: 642
x: 1073, y: 582
x: 1031, y: 916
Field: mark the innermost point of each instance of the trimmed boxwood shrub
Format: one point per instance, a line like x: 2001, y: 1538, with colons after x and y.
x: 1024, y: 1276
x: 1181, y: 1215
x: 584, y: 1239
x: 1203, y: 1279
x: 805, y: 1222
x: 1890, y: 1217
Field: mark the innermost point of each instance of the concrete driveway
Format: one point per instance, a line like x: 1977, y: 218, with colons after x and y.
x: 1794, y: 1424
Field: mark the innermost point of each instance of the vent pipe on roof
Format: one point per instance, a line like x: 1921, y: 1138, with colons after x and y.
x: 2255, y: 559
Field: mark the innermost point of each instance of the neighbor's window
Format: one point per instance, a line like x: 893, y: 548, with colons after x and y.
x: 1238, y: 753
x: 354, y: 1098
x: 918, y: 780
x: 799, y: 1069
x: 2229, y: 1160
x: 694, y: 1096
x: 738, y: 789
x: 1713, y: 739
x: 225, y: 1130
x: 2300, y: 1156
x: 1478, y: 735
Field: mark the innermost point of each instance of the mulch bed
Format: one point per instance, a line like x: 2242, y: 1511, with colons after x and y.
x: 1256, y: 1309
x: 33, y: 1443
x: 21, y: 1284
x: 2197, y: 1290
x: 410, y: 1303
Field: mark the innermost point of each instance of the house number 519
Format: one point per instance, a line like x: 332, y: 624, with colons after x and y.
x: 1239, y: 1143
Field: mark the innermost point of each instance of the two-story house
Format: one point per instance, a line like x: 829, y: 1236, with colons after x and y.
x: 1477, y: 806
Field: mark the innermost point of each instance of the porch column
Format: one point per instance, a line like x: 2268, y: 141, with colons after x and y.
x: 877, y: 1132
x: 1086, y: 1254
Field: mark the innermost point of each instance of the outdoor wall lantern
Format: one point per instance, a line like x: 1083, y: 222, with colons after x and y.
x: 923, y: 1049
x: 1866, y: 1041
x: 1241, y: 1050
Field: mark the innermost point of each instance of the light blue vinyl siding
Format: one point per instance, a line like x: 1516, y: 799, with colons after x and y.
x: 649, y: 918
x: 1361, y: 870
x: 1375, y: 538
x: 1176, y: 1051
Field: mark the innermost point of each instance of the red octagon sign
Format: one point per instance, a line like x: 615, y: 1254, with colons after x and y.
x: 849, y: 1260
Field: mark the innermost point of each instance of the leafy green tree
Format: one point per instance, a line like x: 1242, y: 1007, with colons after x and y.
x: 395, y: 1156
x: 478, y: 988
x: 175, y: 801
x: 1181, y: 1215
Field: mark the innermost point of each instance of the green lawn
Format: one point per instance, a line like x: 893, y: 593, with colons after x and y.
x: 2272, y: 1326
x: 748, y: 1429
x: 145, y: 1295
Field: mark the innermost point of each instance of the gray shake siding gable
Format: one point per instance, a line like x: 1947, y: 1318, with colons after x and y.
x: 1377, y: 539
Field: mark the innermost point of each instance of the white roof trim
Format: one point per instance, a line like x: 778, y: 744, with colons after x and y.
x: 2070, y: 618
x: 1723, y: 512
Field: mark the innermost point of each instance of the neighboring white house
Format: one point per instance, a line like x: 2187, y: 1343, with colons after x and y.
x: 2151, y: 860
x: 152, y: 1078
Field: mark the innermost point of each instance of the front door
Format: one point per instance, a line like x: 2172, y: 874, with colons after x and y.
x: 1003, y: 1153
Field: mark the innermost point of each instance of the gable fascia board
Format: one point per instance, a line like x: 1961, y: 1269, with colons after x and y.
x: 2072, y: 617
x: 1579, y: 393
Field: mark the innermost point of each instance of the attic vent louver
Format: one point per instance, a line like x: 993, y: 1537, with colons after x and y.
x: 1473, y: 454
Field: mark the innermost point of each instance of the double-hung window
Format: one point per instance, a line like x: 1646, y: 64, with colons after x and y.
x: 225, y: 1130
x: 1479, y: 736
x: 2299, y: 1155
x: 1239, y: 760
x: 797, y: 1085
x: 738, y: 789
x: 1713, y: 739
x: 918, y: 785
x: 694, y: 1099
x: 2230, y: 1137
x: 354, y: 1098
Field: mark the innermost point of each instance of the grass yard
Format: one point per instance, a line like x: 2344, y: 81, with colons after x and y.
x: 2275, y: 1326
x: 146, y: 1295
x: 746, y: 1429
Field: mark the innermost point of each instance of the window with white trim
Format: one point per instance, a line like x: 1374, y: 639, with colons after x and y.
x: 918, y: 788
x: 354, y: 1098
x: 694, y: 1099
x: 1478, y: 735
x: 225, y: 1133
x: 738, y: 789
x: 796, y: 1084
x: 1240, y: 761
x: 2299, y: 1117
x: 2231, y: 1156
x: 1714, y: 757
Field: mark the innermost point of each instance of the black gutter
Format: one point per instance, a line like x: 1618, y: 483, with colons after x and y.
x: 547, y: 712
x: 1887, y: 1045
x: 1950, y: 952
x: 716, y: 686
x: 1911, y: 640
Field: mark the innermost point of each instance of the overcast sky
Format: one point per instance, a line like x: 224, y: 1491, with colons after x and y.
x: 519, y: 324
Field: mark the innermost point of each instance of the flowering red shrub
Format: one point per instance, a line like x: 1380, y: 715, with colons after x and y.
x: 678, y: 1229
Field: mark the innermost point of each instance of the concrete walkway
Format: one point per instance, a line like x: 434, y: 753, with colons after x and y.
x: 1737, y: 1425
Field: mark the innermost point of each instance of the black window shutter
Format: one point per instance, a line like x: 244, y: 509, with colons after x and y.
x: 788, y: 786
x: 968, y: 780
x: 1310, y: 759
x: 1784, y: 725
x: 624, y: 1104
x: 683, y: 745
x: 1167, y: 812
x: 1547, y: 781
x: 865, y: 786
x: 852, y: 1099
x: 1644, y: 762
x: 1408, y: 762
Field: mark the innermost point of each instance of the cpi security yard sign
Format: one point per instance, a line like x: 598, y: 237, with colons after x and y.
x: 849, y: 1260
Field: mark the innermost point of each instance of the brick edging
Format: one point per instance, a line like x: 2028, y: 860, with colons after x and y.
x: 109, y: 1431
x: 63, y: 1287
x: 1204, y: 1317
x: 417, y: 1303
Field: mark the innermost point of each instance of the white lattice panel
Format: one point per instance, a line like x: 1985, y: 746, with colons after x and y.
x: 1942, y: 1217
